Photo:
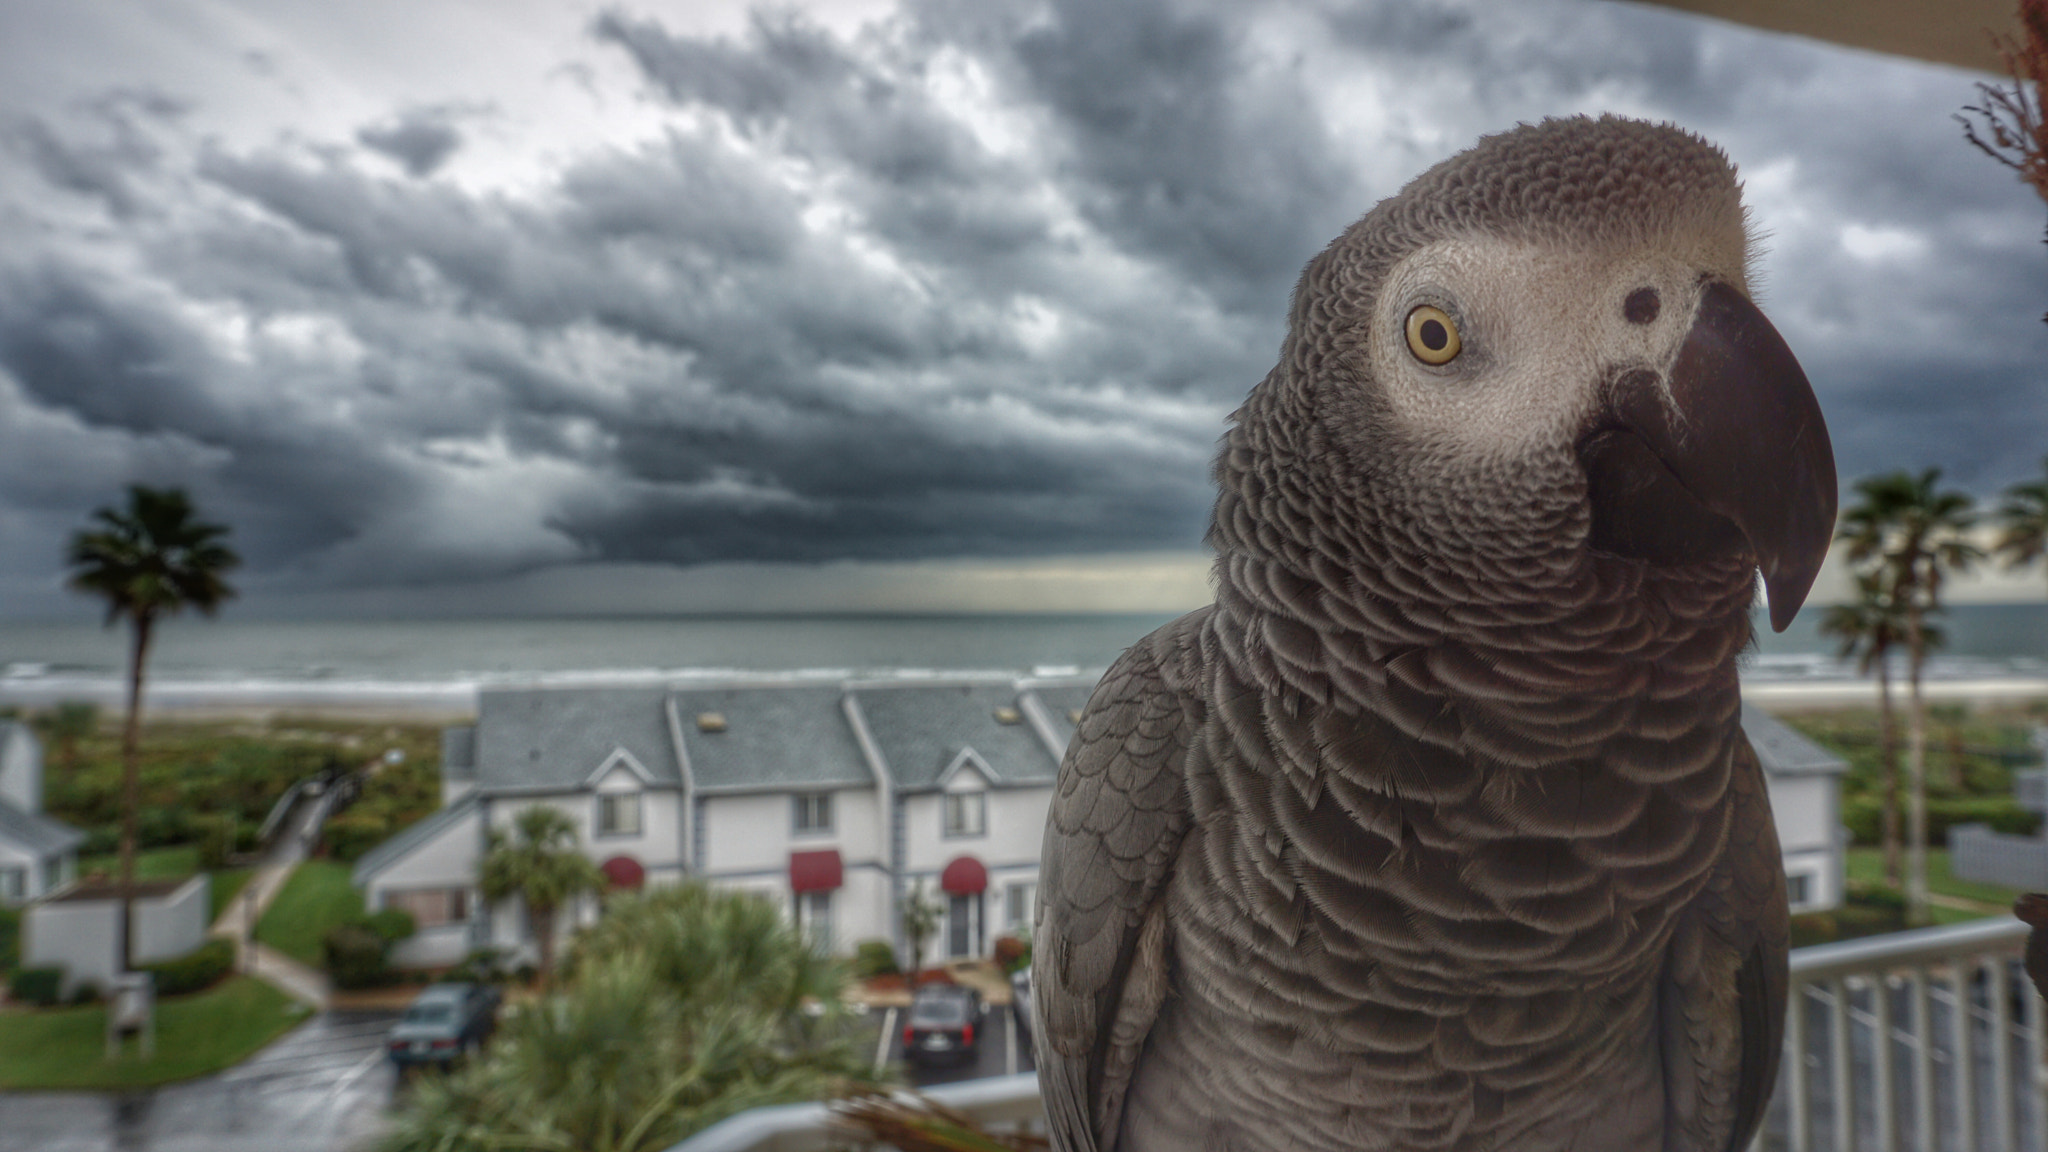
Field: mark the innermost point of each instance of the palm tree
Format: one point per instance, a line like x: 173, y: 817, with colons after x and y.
x: 540, y: 864
x: 679, y: 1008
x: 2025, y: 516
x: 1914, y: 534
x: 1869, y: 626
x: 148, y: 560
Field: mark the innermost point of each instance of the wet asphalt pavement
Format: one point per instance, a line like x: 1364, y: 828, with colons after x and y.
x: 324, y: 1087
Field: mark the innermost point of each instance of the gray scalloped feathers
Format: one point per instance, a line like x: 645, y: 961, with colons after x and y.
x: 1438, y: 830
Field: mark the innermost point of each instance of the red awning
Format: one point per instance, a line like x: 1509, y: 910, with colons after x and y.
x: 815, y: 871
x: 623, y: 872
x: 964, y: 877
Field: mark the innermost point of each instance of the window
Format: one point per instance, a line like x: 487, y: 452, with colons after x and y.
x: 618, y: 814
x: 1022, y: 902
x: 13, y: 884
x: 966, y: 813
x: 814, y: 918
x: 431, y: 907
x: 1798, y: 888
x: 813, y: 812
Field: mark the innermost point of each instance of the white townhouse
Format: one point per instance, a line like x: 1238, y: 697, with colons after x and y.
x: 1805, y: 783
x: 38, y: 855
x: 833, y: 799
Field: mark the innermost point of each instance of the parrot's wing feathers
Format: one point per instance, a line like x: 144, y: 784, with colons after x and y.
x: 1722, y: 999
x: 1115, y: 828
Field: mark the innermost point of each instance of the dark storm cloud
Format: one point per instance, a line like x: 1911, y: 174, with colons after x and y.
x: 976, y: 281
x: 420, y: 139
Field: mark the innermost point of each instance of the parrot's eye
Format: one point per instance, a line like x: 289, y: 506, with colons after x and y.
x: 1433, y: 335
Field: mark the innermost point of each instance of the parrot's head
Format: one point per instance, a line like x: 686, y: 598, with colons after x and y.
x: 1545, y: 347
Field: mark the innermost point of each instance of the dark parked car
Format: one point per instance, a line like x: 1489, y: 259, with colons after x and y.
x: 446, y: 1021
x: 943, y: 1024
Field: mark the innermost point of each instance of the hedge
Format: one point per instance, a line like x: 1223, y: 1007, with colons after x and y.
x: 37, y: 986
x: 1864, y: 816
x: 203, y: 967
x: 873, y: 958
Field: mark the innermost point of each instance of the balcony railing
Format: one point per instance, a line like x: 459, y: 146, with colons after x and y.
x: 1929, y: 1040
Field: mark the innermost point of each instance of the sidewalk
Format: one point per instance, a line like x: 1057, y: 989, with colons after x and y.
x: 239, y: 918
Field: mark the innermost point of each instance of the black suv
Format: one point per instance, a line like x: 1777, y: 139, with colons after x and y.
x: 944, y: 1023
x: 445, y: 1021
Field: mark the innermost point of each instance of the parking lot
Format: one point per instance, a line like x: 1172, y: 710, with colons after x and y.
x: 322, y: 1088
x: 326, y: 1087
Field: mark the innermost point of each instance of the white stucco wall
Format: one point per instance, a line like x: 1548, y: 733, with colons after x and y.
x: 1805, y: 810
x: 79, y: 936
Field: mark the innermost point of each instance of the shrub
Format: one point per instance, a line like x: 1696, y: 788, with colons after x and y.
x: 216, y: 838
x: 352, y: 833
x: 87, y: 992
x: 390, y: 924
x: 10, y: 939
x: 38, y: 986
x: 203, y: 967
x: 1012, y: 954
x: 355, y: 955
x: 872, y: 958
x: 1864, y: 817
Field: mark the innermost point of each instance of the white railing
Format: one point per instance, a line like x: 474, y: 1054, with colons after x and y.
x: 1872, y: 1038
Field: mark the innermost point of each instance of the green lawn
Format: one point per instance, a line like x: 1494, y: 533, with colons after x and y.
x: 1866, y: 866
x: 317, y: 897
x: 227, y: 884
x: 174, y: 863
x: 65, y: 1048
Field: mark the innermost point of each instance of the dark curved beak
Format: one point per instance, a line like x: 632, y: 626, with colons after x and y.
x: 1741, y: 433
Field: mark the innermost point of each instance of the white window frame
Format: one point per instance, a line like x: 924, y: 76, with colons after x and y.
x: 13, y: 882
x: 1026, y: 893
x: 1799, y: 888
x: 810, y: 813
x: 961, y: 820
x: 455, y: 902
x: 606, y: 824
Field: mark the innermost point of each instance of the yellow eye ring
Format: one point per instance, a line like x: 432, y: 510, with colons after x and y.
x: 1433, y: 335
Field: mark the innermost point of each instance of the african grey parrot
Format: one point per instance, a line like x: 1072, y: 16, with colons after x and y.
x: 1438, y: 830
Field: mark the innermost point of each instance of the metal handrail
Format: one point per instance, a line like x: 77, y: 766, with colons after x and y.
x: 1853, y: 983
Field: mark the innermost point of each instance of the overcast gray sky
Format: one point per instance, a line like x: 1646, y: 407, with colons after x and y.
x: 526, y: 305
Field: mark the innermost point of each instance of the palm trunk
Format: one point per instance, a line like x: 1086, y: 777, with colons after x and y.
x: 543, y: 920
x: 1916, y: 765
x: 131, y: 787
x: 1888, y: 745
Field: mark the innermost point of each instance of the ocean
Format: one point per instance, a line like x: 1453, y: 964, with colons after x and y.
x: 430, y: 661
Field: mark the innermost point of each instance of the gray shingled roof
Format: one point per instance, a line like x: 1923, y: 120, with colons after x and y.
x: 775, y: 736
x: 38, y: 833
x: 458, y: 752
x: 394, y: 849
x: 539, y: 738
x: 920, y: 729
x: 1783, y: 751
x: 1062, y: 700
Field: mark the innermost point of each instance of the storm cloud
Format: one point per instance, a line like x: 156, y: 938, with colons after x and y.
x: 968, y: 280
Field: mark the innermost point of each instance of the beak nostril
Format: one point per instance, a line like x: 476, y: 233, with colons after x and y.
x: 1642, y: 306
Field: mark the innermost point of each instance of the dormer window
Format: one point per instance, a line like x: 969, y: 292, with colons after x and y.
x: 966, y: 813
x: 618, y: 814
